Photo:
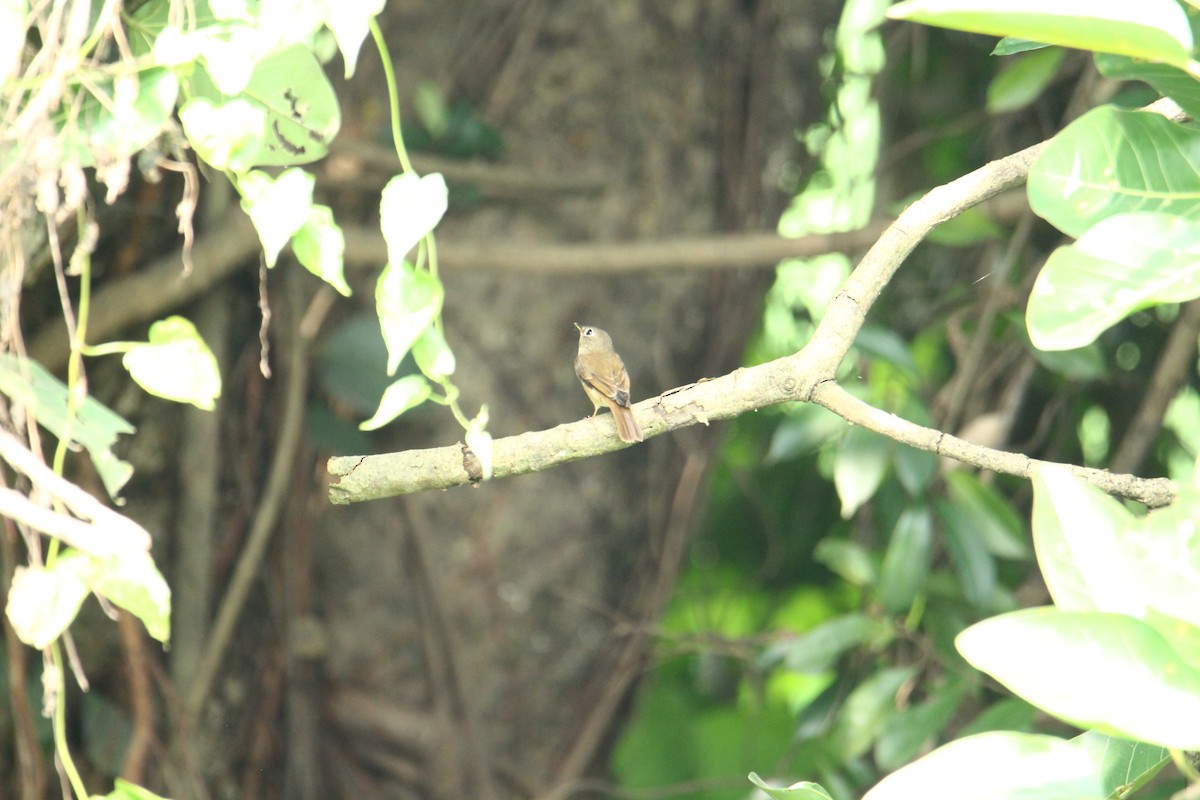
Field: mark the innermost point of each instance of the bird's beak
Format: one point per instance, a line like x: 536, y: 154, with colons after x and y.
x: 576, y: 324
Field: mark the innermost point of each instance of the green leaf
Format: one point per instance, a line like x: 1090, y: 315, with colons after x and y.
x: 1109, y: 672
x: 286, y: 114
x: 406, y: 393
x: 848, y: 559
x: 1009, y: 714
x: 1166, y: 80
x: 971, y: 227
x: 1022, y: 80
x: 133, y: 582
x: 1156, y: 30
x: 996, y: 766
x: 94, y: 427
x: 1111, y: 161
x: 866, y: 710
x: 319, y: 246
x: 433, y: 355
x: 906, y: 562
x: 226, y: 135
x: 1162, y: 561
x: 862, y: 459
x: 819, y: 649
x: 176, y: 364
x: 803, y: 430
x: 973, y: 563
x: 124, y: 790
x: 1121, y: 265
x: 407, y: 301
x: 914, y: 468
x: 1011, y: 45
x: 278, y: 207
x: 1124, y: 766
x: 907, y: 732
x: 409, y: 209
x: 43, y: 601
x: 134, y: 112
x: 1076, y: 533
x: 998, y: 525
x: 805, y: 790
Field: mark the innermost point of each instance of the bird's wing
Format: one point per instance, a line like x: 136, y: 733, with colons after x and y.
x: 613, y: 383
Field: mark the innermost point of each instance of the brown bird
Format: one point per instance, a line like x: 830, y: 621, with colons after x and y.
x: 603, y: 375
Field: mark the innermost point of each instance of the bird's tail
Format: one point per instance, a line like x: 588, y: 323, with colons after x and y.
x: 627, y: 427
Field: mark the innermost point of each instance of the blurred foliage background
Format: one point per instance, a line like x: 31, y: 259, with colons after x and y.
x: 812, y: 633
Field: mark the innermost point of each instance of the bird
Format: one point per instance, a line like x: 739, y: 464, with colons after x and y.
x: 605, y: 380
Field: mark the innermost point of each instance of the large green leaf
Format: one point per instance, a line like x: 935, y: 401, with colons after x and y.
x: 1111, y: 161
x: 1123, y: 264
x: 1077, y: 532
x: 286, y: 114
x: 1108, y: 672
x: 996, y: 766
x: 1125, y: 766
x: 1156, y: 30
x: 1162, y: 560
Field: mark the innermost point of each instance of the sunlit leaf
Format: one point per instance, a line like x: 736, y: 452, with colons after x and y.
x: 1112, y: 161
x: 407, y: 300
x: 1155, y: 30
x: 805, y: 790
x: 278, y: 207
x: 1077, y: 532
x: 349, y: 21
x: 410, y: 208
x: 996, y: 766
x: 1125, y: 766
x: 43, y: 601
x: 176, y: 364
x: 1102, y: 671
x: 406, y: 393
x: 433, y: 355
x: 1124, y: 263
x: 319, y: 246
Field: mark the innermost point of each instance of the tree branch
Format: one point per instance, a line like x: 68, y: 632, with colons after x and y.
x: 805, y: 376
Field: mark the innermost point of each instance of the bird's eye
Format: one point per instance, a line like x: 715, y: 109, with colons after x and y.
x: 588, y: 332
